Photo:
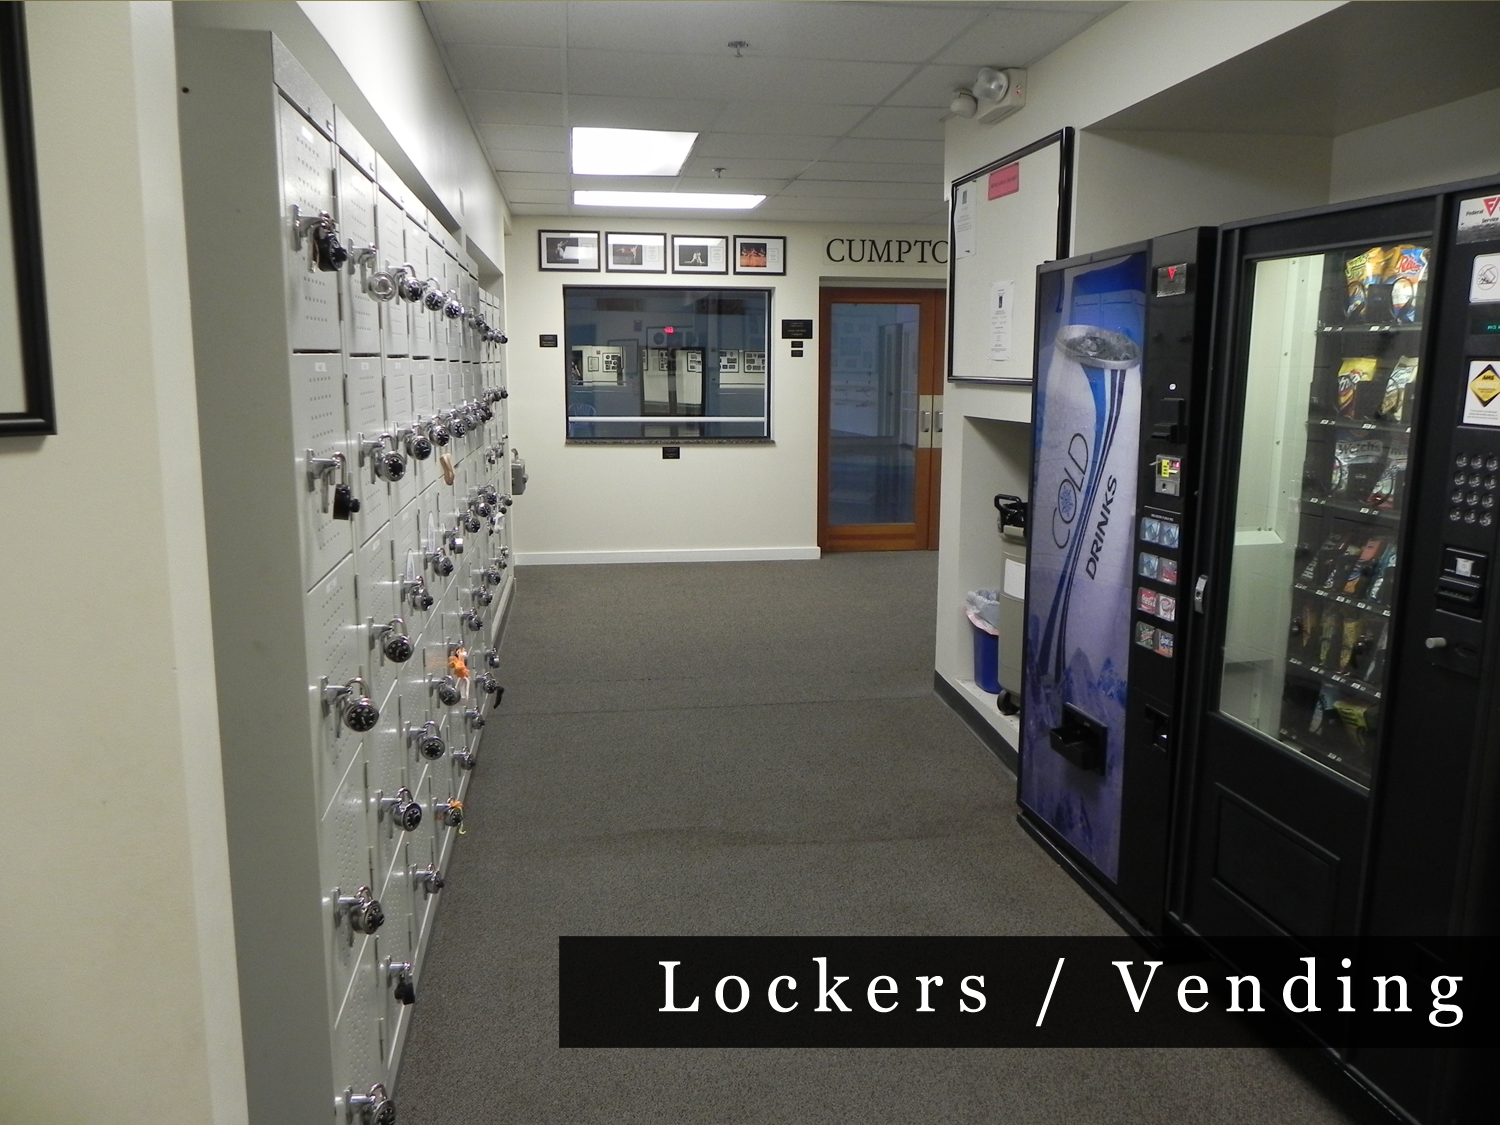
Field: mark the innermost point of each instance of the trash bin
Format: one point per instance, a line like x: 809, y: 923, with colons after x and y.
x: 982, y: 608
x: 1011, y: 524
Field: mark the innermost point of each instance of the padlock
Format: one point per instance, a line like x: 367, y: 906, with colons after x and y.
x: 396, y: 645
x: 434, y: 299
x: 440, y: 563
x: 399, y: 974
x: 408, y: 287
x: 390, y: 465
x: 465, y: 759
x: 475, y: 717
x: 450, y: 814
x: 374, y: 1108
x: 429, y: 878
x: 471, y: 523
x: 455, y: 542
x: 451, y: 307
x: 404, y: 810
x: 357, y: 710
x: 416, y: 592
x: 438, y: 432
x: 328, y: 252
x: 457, y: 425
x: 418, y: 445
x: 472, y: 620
x: 363, y: 910
x: 381, y: 285
x: 448, y: 691
x: 481, y: 508
x: 483, y: 595
x: 492, y: 657
x: 345, y: 503
x: 428, y: 742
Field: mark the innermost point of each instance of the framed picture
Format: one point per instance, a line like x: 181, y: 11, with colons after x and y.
x: 573, y: 250
x: 635, y: 253
x: 759, y: 254
x: 26, y: 402
x: 700, y: 253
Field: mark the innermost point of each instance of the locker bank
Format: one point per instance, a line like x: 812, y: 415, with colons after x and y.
x: 336, y: 365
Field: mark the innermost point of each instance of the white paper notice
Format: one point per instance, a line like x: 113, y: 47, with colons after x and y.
x: 1479, y: 219
x: 1002, y: 294
x: 1482, y: 398
x: 963, y: 219
x: 1484, y: 285
x: 1014, y: 585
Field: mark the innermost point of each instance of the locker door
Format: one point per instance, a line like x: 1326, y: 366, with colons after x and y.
x: 395, y: 314
x: 319, y: 433
x: 399, y: 418
x: 356, y: 199
x: 307, y: 184
x: 396, y: 943
x: 417, y: 244
x: 421, y: 388
x: 333, y: 645
x: 389, y: 775
x: 365, y: 393
x: 441, y: 398
x: 378, y: 608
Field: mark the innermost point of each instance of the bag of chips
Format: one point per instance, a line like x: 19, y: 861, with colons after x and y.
x: 1384, y: 573
x: 1340, y: 565
x: 1400, y: 385
x: 1353, y: 372
x: 1363, y: 460
x: 1325, y: 642
x: 1327, y: 698
x: 1362, y: 278
x: 1392, y: 476
x: 1328, y: 550
x: 1364, y: 567
x: 1406, y: 270
x: 1356, y: 719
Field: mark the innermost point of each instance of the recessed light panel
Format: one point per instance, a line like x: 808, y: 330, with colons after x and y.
x: 679, y: 200
x: 629, y: 152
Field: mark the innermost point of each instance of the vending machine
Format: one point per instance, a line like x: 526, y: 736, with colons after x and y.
x: 1343, y: 773
x: 1122, y: 342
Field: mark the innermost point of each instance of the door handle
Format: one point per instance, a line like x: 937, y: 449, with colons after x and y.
x: 926, y: 421
x: 1200, y: 588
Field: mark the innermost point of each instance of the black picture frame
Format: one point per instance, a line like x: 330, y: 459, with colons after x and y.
x: 687, y: 248
x: 38, y: 414
x: 771, y: 250
x: 548, y: 256
x: 617, y: 241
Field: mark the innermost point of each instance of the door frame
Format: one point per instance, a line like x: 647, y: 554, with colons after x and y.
x: 922, y: 533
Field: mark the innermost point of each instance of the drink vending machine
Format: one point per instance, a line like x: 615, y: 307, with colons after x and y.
x: 1122, y: 344
x: 1341, y: 766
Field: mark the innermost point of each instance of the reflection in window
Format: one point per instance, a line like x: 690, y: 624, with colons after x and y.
x: 661, y: 364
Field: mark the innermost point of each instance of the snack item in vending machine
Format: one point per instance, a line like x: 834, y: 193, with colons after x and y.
x: 1327, y: 699
x: 1342, y: 563
x: 1364, y: 567
x: 1388, y: 484
x: 1305, y: 623
x: 1406, y: 270
x: 1376, y: 663
x: 1363, y: 459
x: 1325, y: 643
x: 1384, y: 572
x: 1400, y: 385
x: 1362, y: 277
x: 1328, y: 550
x: 1353, y: 372
x: 1349, y: 643
x: 1356, y: 719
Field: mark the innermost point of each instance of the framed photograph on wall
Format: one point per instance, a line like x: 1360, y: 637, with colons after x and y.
x: 635, y: 253
x: 26, y: 402
x: 700, y: 253
x: 759, y: 254
x: 573, y: 250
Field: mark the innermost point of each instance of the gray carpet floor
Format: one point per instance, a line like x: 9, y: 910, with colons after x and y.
x: 755, y: 748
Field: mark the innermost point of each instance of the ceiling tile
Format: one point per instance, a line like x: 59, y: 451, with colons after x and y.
x: 768, y: 185
x: 518, y: 23
x: 902, y: 123
x: 888, y: 152
x: 506, y: 107
x: 769, y: 145
x: 807, y: 119
x: 609, y: 112
x: 933, y: 86
x: 888, y: 173
x: 535, y: 69
x: 765, y: 169
x: 863, y: 189
x: 892, y: 32
x: 1012, y: 37
x: 744, y: 80
x: 541, y: 181
x: 533, y: 138
x: 552, y: 198
x: 522, y: 160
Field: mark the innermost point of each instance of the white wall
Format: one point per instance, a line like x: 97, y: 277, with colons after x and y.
x: 609, y: 503
x: 378, y: 62
x: 121, y: 999
x: 1457, y: 141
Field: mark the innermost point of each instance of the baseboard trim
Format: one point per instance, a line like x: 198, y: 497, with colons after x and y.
x: 965, y: 710
x: 691, y: 554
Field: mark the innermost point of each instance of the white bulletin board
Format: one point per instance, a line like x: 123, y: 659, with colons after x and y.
x: 1007, y: 218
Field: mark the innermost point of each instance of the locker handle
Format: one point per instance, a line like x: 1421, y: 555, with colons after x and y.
x: 926, y: 421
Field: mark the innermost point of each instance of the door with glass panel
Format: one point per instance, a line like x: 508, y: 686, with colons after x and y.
x: 1310, y: 501
x: 880, y: 416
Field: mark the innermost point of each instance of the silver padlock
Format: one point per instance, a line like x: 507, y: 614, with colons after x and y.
x: 492, y: 657
x: 363, y: 910
x: 472, y: 620
x: 470, y: 523
x: 429, y: 878
x: 483, y: 596
x: 429, y: 744
x: 456, y: 541
x: 395, y: 644
x: 357, y: 710
x: 418, y: 445
x: 450, y: 814
x: 440, y: 563
x: 415, y: 591
x: 408, y: 286
x: 465, y: 759
x: 438, y: 433
x: 434, y: 298
x: 404, y: 810
x: 475, y: 717
x: 447, y: 690
x: 374, y: 1108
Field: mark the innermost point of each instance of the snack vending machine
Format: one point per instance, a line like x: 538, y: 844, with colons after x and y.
x: 1122, y: 339
x: 1343, y: 772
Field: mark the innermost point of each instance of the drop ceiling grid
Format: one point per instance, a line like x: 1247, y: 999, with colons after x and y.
x: 833, y: 112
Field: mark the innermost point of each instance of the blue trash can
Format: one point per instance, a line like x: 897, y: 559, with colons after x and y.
x: 986, y: 660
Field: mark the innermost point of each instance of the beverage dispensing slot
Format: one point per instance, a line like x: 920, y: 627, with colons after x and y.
x: 1080, y: 739
x: 1171, y: 421
x: 1460, y: 586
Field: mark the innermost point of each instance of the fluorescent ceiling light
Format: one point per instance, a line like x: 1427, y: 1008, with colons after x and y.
x: 680, y: 200
x: 629, y: 152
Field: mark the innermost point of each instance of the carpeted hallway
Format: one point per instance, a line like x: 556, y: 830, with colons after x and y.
x: 755, y: 748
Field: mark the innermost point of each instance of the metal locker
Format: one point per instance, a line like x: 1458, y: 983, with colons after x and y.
x: 417, y: 245
x: 400, y: 420
x: 372, y: 442
x: 312, y: 292
x: 421, y: 388
x: 391, y: 798
x: 390, y: 237
x: 323, y: 460
x: 441, y: 398
x: 395, y: 945
x: 386, y: 634
x: 360, y: 276
x: 333, y: 646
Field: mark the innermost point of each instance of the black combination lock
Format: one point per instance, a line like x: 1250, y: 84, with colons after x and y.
x: 448, y: 692
x: 434, y: 299
x: 374, y: 1108
x: 345, y: 503
x: 419, y: 446
x: 328, y: 251
x: 405, y: 811
x: 364, y: 911
x: 396, y: 645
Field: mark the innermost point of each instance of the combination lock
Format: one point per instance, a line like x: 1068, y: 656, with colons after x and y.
x: 428, y: 742
x: 374, y: 1108
x: 471, y: 523
x: 492, y: 657
x: 356, y: 709
x: 418, y: 445
x: 417, y: 594
x: 396, y: 645
x: 390, y: 465
x: 452, y: 309
x: 448, y: 692
x: 404, y: 810
x: 399, y: 974
x: 450, y: 814
x: 458, y: 425
x: 329, y: 255
x: 438, y: 433
x: 408, y: 288
x: 440, y: 563
x: 465, y: 759
x: 345, y: 503
x: 483, y: 596
x: 472, y: 620
x: 363, y: 910
x: 455, y: 542
x: 488, y: 684
x: 434, y: 299
x: 482, y: 507
x: 429, y: 878
x: 475, y: 717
